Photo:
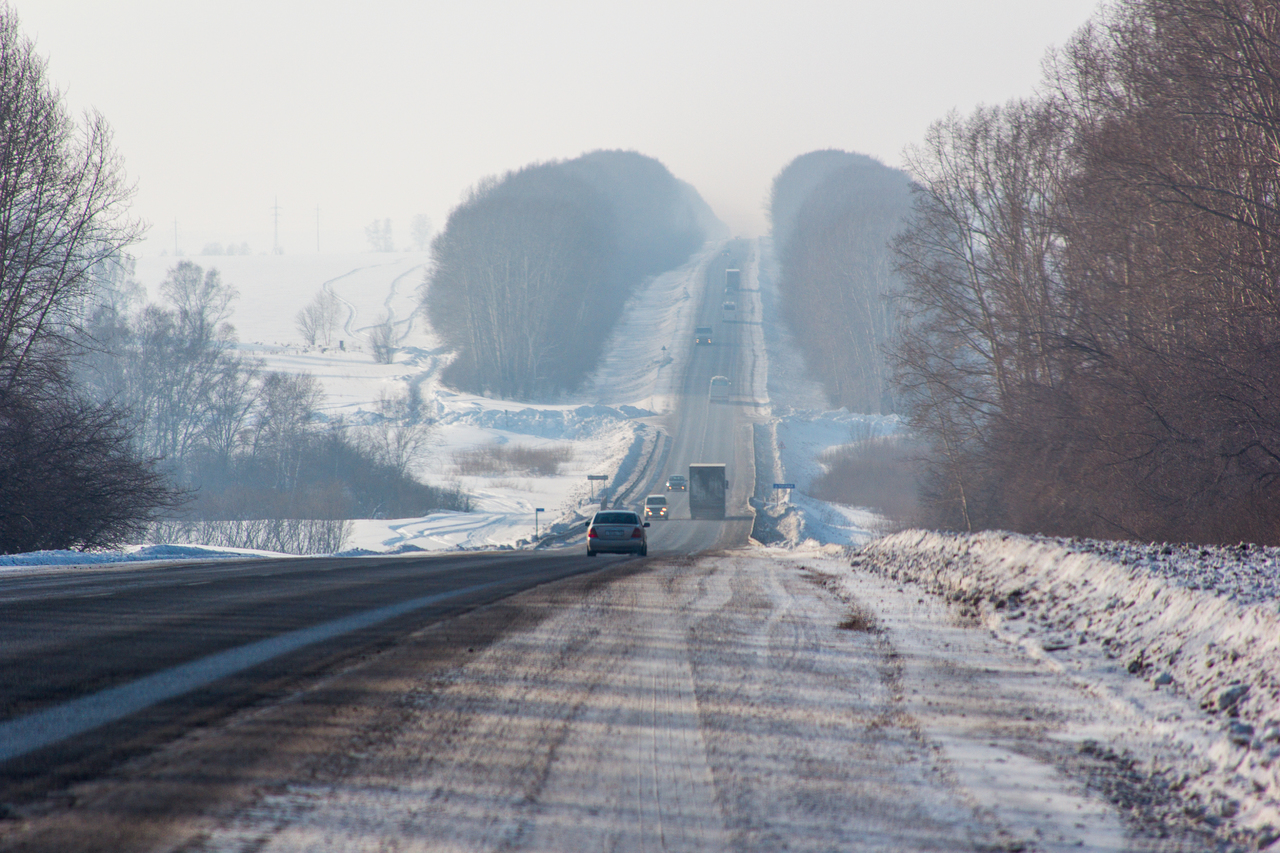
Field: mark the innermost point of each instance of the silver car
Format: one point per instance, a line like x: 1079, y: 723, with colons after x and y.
x: 616, y: 531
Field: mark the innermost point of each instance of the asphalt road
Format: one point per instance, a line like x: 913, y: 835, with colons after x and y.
x: 98, y: 664
x: 716, y: 431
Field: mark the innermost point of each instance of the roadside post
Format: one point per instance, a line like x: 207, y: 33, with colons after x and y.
x: 592, y: 478
x: 536, y: 510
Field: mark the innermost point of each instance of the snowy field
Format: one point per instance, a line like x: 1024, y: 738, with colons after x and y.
x: 604, y: 425
x: 601, y: 424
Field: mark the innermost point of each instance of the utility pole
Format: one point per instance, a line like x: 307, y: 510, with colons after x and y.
x: 175, y: 236
x: 275, y: 210
x: 317, y: 229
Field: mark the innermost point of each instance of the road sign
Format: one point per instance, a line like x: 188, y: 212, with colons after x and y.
x: 597, y: 476
x: 784, y: 485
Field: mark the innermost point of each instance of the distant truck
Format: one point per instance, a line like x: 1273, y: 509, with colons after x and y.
x: 706, y: 491
x: 732, y: 280
x: 702, y: 335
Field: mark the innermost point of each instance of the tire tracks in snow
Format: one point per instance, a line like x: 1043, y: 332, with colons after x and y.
x: 348, y: 326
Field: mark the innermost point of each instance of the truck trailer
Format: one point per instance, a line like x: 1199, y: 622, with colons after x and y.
x: 706, y: 491
x: 732, y: 280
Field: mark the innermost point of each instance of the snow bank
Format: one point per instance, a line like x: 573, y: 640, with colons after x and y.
x: 137, y: 554
x: 1150, y: 611
x: 565, y: 424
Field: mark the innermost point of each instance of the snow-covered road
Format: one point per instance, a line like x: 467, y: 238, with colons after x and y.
x: 745, y: 701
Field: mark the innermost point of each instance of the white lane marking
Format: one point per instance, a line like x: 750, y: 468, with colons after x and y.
x: 44, y: 728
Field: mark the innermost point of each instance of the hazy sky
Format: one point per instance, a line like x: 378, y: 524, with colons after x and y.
x: 383, y: 109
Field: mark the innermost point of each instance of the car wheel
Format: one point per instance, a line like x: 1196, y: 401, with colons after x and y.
x: 644, y: 550
x: 591, y: 553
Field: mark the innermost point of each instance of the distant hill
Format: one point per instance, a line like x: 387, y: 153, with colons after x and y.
x: 531, y: 271
x: 834, y: 214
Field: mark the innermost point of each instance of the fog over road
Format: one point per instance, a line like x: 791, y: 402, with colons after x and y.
x: 713, y: 696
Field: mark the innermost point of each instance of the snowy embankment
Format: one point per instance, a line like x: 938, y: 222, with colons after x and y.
x: 1195, y: 624
x: 136, y: 554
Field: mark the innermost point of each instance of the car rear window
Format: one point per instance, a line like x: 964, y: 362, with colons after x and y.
x: 656, y: 501
x: 616, y: 518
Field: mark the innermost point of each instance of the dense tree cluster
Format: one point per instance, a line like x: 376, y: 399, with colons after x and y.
x: 833, y: 214
x: 69, y: 474
x: 532, y: 270
x: 1091, y: 277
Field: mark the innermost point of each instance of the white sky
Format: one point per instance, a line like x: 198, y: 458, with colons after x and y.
x: 378, y: 109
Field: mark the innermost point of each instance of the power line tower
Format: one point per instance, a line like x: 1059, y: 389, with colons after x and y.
x: 275, y: 210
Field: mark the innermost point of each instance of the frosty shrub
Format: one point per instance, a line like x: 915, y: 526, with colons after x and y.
x: 512, y: 459
x: 285, y: 535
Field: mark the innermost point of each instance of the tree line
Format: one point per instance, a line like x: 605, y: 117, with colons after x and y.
x: 532, y: 270
x: 832, y: 215
x: 1091, y: 320
x: 69, y: 471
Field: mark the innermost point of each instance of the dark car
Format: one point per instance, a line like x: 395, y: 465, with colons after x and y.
x: 617, y: 532
x: 702, y: 335
x: 677, y: 482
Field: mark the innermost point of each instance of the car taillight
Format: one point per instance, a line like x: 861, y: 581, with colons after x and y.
x: 638, y: 533
x: 591, y: 534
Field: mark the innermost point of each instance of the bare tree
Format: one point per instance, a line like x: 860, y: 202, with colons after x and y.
x: 420, y: 231
x: 382, y: 338
x: 397, y: 437
x: 201, y: 299
x: 63, y: 202
x: 983, y: 306
x: 285, y: 423
x: 170, y: 368
x: 319, y: 319
x: 378, y: 233
x: 69, y: 475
